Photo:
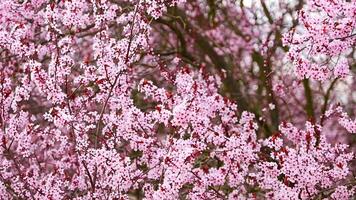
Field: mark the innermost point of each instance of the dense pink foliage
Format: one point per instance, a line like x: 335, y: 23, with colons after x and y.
x: 328, y: 31
x: 94, y: 106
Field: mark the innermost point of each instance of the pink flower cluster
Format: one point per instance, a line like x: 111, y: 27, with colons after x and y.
x: 81, y: 119
x: 317, y: 49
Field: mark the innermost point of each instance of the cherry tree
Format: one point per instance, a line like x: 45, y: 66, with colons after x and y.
x: 177, y: 99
